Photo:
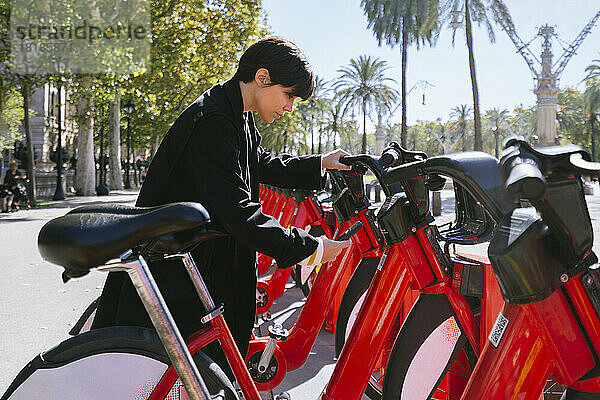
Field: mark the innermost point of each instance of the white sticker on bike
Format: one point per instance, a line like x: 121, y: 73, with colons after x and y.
x: 498, y: 330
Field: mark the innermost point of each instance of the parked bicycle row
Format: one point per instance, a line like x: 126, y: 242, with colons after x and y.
x: 413, y: 318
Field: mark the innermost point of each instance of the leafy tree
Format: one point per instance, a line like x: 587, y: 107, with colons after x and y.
x: 364, y: 83
x: 498, y: 120
x: 403, y: 22
x: 195, y: 44
x: 523, y: 123
x: 11, y: 117
x: 461, y: 114
x: 284, y: 135
x: 591, y: 108
x: 570, y: 116
x: 477, y: 11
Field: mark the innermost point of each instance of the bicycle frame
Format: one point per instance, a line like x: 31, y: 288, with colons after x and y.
x: 183, y: 365
x: 307, y: 213
x: 332, y: 279
x: 536, y: 347
x: 410, y: 264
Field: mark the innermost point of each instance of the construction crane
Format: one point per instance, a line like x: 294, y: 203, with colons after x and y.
x: 547, y: 77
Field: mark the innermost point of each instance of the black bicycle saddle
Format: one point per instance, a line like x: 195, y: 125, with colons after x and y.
x: 89, y: 237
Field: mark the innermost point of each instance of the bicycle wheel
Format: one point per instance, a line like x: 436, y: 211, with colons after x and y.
x: 108, y: 363
x: 352, y: 300
x: 431, y: 357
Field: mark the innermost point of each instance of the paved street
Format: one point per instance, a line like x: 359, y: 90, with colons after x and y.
x: 37, y: 309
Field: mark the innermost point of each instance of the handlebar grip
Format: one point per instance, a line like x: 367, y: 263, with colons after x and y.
x: 525, y: 180
x: 347, y: 160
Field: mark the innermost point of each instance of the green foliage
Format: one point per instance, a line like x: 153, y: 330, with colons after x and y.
x: 195, y: 44
x: 364, y: 84
x: 11, y: 117
x: 570, y: 116
x: 388, y: 19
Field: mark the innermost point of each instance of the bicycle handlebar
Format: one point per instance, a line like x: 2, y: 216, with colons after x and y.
x: 368, y: 161
x: 584, y: 167
x: 525, y: 169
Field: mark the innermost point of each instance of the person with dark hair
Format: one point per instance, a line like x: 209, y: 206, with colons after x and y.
x: 212, y: 155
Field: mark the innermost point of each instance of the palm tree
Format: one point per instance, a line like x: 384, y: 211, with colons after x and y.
x: 461, y: 114
x: 593, y: 70
x: 570, y: 116
x: 362, y: 84
x: 403, y: 22
x: 314, y: 108
x: 334, y: 120
x: 498, y: 118
x: 591, y: 107
x: 477, y: 11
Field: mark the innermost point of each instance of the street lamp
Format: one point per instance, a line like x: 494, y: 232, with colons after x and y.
x: 59, y: 193
x: 128, y: 109
x: 102, y: 189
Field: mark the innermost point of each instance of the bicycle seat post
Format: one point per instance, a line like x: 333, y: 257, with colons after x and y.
x: 197, y: 280
x: 162, y: 320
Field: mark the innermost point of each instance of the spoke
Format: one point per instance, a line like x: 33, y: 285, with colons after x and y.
x: 460, y: 373
x: 446, y: 393
x: 462, y: 368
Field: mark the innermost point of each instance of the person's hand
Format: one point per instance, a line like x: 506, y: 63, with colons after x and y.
x: 331, y: 160
x: 332, y: 248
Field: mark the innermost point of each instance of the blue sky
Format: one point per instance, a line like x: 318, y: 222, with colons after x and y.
x: 331, y: 32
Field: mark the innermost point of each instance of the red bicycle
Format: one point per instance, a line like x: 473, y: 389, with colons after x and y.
x: 302, y: 209
x: 414, y: 259
x: 550, y: 280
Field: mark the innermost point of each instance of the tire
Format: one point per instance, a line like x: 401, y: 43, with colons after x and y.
x: 430, y: 354
x: 108, y: 363
x: 351, y: 301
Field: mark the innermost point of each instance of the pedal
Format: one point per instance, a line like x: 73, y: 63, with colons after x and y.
x: 276, y: 333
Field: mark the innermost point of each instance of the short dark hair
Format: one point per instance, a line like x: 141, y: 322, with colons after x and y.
x: 286, y: 64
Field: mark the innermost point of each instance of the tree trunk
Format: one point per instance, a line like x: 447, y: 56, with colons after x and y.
x: 85, y: 182
x: 478, y: 141
x: 592, y: 134
x: 496, y: 134
x: 404, y: 131
x: 115, y: 178
x: 312, y: 133
x: 364, y: 138
x: 463, y: 129
x: 320, y: 140
x: 31, y: 187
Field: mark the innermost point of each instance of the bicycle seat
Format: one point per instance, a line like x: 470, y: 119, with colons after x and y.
x: 87, y: 238
x: 178, y: 242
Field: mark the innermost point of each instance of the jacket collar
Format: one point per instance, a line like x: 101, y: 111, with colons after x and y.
x: 233, y: 94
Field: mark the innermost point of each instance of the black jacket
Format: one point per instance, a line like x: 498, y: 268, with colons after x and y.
x: 212, y: 155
